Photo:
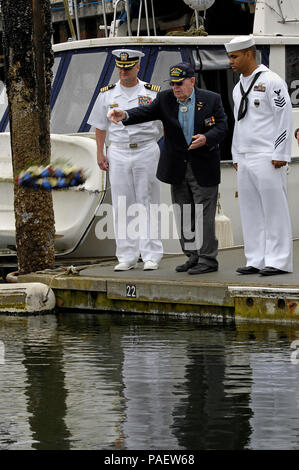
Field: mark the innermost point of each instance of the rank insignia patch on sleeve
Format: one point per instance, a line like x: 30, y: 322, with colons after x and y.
x: 108, y: 87
x: 280, y: 101
x: 152, y: 87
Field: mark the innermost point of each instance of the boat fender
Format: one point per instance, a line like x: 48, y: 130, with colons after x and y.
x: 152, y: 87
x: 108, y: 87
x: 223, y: 228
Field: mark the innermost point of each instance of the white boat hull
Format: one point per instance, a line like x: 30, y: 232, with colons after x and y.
x: 74, y: 208
x: 83, y: 216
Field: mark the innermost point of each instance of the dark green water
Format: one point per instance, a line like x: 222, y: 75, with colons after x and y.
x: 91, y: 381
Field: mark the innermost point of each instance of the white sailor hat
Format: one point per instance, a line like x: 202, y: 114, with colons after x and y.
x: 239, y: 43
x: 127, y: 58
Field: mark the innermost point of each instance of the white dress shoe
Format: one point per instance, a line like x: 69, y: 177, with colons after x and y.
x: 149, y: 265
x: 125, y: 266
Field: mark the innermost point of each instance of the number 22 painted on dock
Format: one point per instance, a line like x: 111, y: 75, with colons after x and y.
x: 131, y: 290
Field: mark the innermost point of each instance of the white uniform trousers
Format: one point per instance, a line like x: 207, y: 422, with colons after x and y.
x: 134, y: 186
x: 264, y: 212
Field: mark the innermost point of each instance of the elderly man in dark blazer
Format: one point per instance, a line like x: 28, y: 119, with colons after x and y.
x: 194, y: 125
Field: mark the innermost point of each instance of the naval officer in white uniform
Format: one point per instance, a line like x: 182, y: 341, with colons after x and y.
x: 261, y: 149
x: 132, y: 159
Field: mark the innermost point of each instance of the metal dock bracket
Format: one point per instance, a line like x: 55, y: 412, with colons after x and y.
x: 265, y: 303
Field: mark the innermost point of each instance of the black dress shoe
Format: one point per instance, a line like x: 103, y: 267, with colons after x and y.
x: 269, y: 271
x: 202, y: 268
x: 192, y: 261
x: 247, y: 270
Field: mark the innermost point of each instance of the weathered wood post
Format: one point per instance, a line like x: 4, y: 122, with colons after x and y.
x: 28, y: 62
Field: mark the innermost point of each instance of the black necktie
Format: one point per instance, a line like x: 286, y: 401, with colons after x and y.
x: 244, y: 100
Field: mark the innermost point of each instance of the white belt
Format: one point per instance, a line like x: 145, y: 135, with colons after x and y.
x: 130, y: 145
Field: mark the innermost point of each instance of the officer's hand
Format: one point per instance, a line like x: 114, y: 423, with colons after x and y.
x: 235, y: 165
x: 103, y: 163
x: 278, y: 163
x: 116, y: 115
x: 198, y: 140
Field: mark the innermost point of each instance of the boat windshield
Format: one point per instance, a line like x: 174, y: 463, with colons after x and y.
x: 82, y: 73
x: 77, y: 79
x: 4, y: 120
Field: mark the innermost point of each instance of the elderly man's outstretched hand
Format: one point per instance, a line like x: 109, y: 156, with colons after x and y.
x: 117, y: 115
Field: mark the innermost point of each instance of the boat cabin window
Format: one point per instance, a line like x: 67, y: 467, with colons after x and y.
x: 55, y: 67
x: 4, y: 121
x: 214, y: 73
x: 76, y: 91
x: 160, y: 73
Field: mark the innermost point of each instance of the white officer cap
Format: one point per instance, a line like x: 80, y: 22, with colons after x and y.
x: 239, y: 43
x: 127, y: 58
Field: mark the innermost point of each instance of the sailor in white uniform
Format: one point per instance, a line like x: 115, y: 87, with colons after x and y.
x: 131, y: 159
x: 261, y: 149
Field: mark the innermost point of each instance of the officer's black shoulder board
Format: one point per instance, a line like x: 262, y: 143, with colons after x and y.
x: 152, y: 87
x: 108, y: 87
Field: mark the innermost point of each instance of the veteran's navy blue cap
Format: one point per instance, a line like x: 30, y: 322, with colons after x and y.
x: 180, y: 71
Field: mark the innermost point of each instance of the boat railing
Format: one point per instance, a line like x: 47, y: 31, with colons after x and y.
x: 127, y: 8
x: 142, y: 5
x: 105, y: 18
x: 146, y: 17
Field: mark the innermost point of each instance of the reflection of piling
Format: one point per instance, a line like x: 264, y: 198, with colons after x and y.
x: 28, y: 61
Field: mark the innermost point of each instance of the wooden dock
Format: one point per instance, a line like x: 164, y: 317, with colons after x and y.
x: 224, y: 295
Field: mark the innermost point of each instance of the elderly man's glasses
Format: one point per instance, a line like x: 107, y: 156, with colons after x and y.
x: 176, y: 83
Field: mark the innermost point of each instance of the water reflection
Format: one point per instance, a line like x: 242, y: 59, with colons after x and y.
x: 45, y: 384
x: 87, y: 381
x: 216, y: 412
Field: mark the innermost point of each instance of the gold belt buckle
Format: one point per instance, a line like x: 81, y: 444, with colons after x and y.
x: 133, y: 146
